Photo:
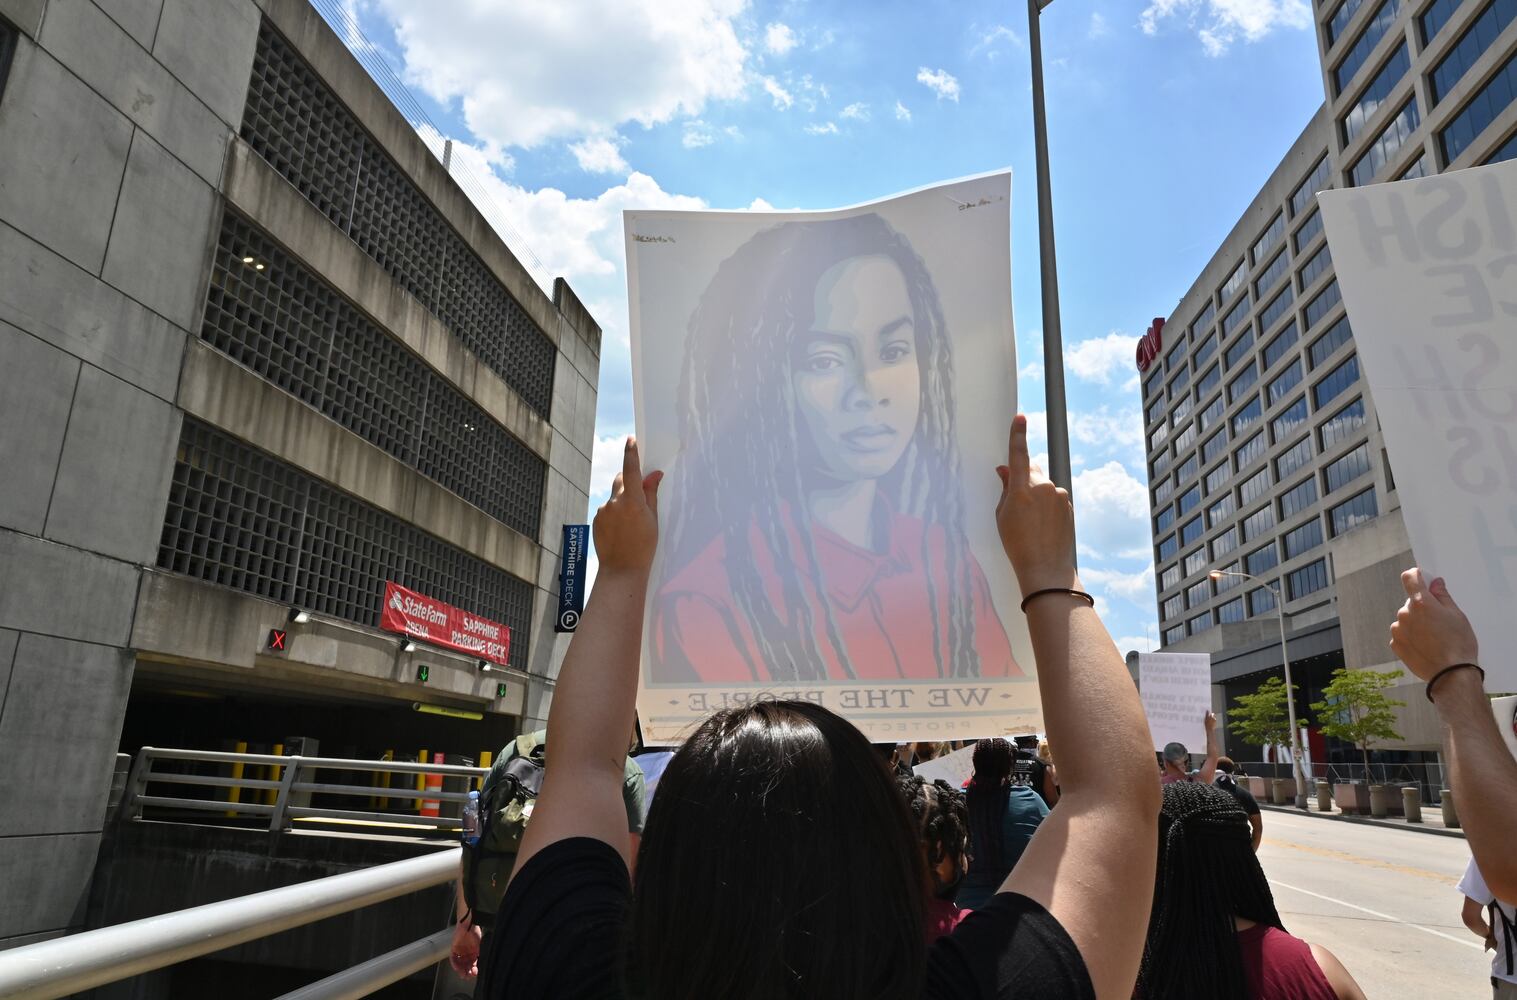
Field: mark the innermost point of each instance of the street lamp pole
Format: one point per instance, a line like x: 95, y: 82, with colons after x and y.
x: 1053, y: 341
x: 1290, y: 687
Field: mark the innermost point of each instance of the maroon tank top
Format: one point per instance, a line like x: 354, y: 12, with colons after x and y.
x: 1281, y: 967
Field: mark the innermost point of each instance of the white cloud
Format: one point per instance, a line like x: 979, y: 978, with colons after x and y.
x: 697, y: 133
x: 647, y: 61
x: 1128, y: 643
x: 1098, y: 26
x: 605, y: 463
x: 1137, y: 586
x: 1099, y: 358
x: 782, y: 97
x: 902, y: 112
x: 779, y: 38
x: 760, y: 205
x: 1220, y: 23
x: 827, y: 128
x: 1111, y: 510
x: 991, y: 39
x: 599, y: 155
x: 857, y: 110
x: 1123, y: 429
x: 940, y: 82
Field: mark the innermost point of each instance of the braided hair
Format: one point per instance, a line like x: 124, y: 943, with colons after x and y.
x: 1208, y: 875
x: 743, y: 461
x: 988, y: 793
x: 941, y: 818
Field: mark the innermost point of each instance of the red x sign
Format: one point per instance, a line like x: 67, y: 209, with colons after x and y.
x: 276, y: 640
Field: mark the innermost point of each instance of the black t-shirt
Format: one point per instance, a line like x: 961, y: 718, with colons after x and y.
x: 1243, y: 795
x: 559, y: 931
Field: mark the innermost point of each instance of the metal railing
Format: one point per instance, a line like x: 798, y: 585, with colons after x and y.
x: 67, y: 965
x: 286, y: 793
x: 1430, y: 776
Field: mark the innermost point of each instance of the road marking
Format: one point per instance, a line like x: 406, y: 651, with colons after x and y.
x: 1382, y: 916
x: 1390, y: 866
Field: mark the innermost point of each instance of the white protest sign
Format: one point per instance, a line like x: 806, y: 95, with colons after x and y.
x: 1176, y: 691
x: 955, y: 768
x: 1506, y: 720
x: 1428, y: 271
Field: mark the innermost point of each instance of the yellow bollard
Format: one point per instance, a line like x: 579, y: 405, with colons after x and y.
x: 421, y: 779
x: 234, y: 794
x: 384, y: 802
x: 485, y: 757
x: 271, y: 795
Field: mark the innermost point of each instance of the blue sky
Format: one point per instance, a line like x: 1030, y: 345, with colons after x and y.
x: 1164, y: 120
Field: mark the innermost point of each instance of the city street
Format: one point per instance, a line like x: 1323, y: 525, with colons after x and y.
x: 1382, y: 899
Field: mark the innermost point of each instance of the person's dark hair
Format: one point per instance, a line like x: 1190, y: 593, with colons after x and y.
x: 779, y: 860
x: 1208, y: 875
x: 988, y: 792
x: 941, y: 817
x: 738, y: 417
x: 1226, y: 765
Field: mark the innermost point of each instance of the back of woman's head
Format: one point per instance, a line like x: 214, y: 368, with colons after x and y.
x: 779, y: 860
x: 986, y: 799
x: 1208, y: 876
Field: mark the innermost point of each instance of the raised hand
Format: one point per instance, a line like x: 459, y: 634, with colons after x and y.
x: 1035, y: 519
x: 1430, y: 632
x: 626, y: 526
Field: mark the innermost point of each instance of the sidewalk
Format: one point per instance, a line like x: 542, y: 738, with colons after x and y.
x: 1432, y: 818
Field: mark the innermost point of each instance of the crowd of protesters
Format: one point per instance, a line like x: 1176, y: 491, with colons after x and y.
x: 784, y: 856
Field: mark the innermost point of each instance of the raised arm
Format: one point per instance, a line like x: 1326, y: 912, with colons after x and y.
x: 1431, y: 633
x: 1209, y: 765
x: 592, y: 709
x: 1091, y: 863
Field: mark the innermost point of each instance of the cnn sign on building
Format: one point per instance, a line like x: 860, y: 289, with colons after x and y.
x: 1150, y: 344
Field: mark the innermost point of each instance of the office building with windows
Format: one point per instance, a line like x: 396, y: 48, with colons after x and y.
x: 260, y: 356
x: 1264, y: 452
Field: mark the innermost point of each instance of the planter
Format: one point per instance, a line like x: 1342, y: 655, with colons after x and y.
x: 1446, y: 804
x: 1352, y: 798
x: 1258, y: 787
x: 1282, y: 791
x: 1324, y: 797
x: 1380, y: 801
x: 1411, y: 803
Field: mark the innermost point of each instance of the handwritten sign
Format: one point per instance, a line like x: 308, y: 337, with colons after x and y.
x: 1176, y: 691
x: 1428, y: 271
x: 955, y: 768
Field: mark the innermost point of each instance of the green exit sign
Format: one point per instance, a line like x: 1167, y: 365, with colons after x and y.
x: 423, y: 672
x: 500, y: 690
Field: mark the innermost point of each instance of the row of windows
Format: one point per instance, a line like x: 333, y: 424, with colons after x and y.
x: 1316, y: 267
x: 1483, y: 108
x: 1327, y: 345
x: 1435, y: 17
x: 1376, y: 93
x: 1507, y: 151
x: 1465, y: 52
x: 1271, y: 313
x: 1276, y: 348
x: 1269, y: 240
x: 1308, y: 231
x: 1318, y: 179
x: 1340, y: 19
x: 1383, y: 149
x: 1384, y: 17
x: 1272, y: 274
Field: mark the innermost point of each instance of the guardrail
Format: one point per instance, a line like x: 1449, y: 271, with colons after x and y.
x: 67, y: 965
x: 285, y: 797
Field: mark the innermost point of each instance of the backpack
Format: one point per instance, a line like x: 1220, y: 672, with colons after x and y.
x: 505, y: 805
x: 1508, y: 932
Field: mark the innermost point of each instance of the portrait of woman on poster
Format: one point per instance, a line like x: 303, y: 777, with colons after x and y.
x: 816, y: 422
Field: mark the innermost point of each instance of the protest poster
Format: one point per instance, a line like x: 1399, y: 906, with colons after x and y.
x: 1506, y: 720
x: 828, y: 394
x: 1176, y: 692
x: 1428, y: 272
x: 955, y: 768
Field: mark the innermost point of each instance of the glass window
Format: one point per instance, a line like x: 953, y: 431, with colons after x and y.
x: 1322, y: 304
x: 1376, y: 93
x: 1189, y: 499
x: 1181, y: 411
x: 1187, y: 470
x: 1210, y: 414
x: 1195, y: 562
x: 1435, y: 17
x: 1171, y: 608
x: 1419, y: 168
x: 1157, y: 437
x: 1284, y: 382
x: 1483, y: 108
x: 1307, y: 579
x: 1301, y: 198
x: 1327, y: 345
x: 1507, y: 151
x: 1164, y: 490
x: 1271, y: 313
x: 1260, y: 601
x: 1284, y: 341
x: 1198, y: 594
x: 1308, y: 231
x: 1298, y: 498
x: 1154, y: 381
x: 1231, y: 322
x: 1214, y: 446
x: 1300, y: 453
x: 1168, y: 547
x: 1245, y: 381
x: 1342, y: 471
x: 1174, y: 635
x: 1161, y: 462
x: 1246, y: 416
x: 1190, y: 531
x: 1185, y: 439
x: 1289, y: 419
x: 1155, y: 411
x: 1384, y: 149
x: 1227, y: 583
x: 1234, y: 282
x: 1249, y: 452
x: 1164, y: 520
x: 7, y: 47
x: 1353, y: 512
x: 1200, y: 624
x: 1216, y: 477
x: 1272, y: 275
x: 1344, y: 14
x: 1384, y: 16
x: 1259, y: 522
x: 1254, y: 486
x: 1176, y: 356
x: 1221, y: 510
x: 1178, y: 383
x: 1337, y: 380
x: 1170, y: 577
x: 1203, y: 322
x: 1221, y: 546
x: 1271, y: 238
x: 1208, y: 380
x: 1261, y: 560
x: 1476, y: 39
x: 1302, y: 539
x: 1230, y: 612
x: 1316, y: 267
x: 1207, y: 348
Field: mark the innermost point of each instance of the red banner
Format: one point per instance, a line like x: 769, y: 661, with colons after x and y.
x: 421, y: 617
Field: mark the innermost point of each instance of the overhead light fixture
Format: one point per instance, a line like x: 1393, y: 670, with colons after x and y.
x: 299, y: 616
x: 485, y: 666
x: 247, y: 260
x: 409, y: 647
x: 258, y: 267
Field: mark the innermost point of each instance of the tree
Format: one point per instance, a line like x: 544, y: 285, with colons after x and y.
x: 1262, y: 717
x: 1355, y: 708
